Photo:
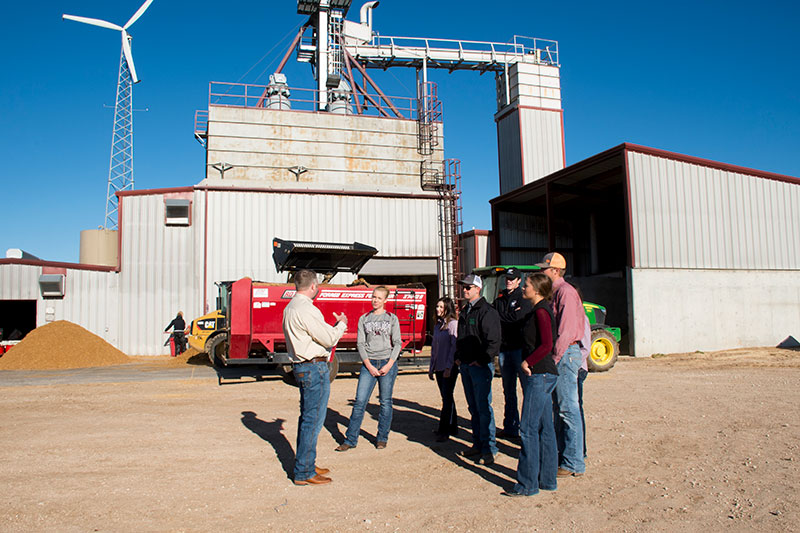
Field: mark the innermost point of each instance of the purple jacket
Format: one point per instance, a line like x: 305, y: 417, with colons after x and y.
x: 443, y: 346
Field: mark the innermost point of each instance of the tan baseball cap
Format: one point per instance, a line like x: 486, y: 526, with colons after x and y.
x: 553, y: 260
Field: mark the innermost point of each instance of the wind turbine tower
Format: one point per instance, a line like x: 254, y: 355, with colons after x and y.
x: 120, y: 172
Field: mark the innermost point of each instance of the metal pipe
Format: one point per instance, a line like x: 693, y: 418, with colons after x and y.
x: 291, y: 47
x: 366, y: 13
x: 363, y: 91
x: 374, y: 85
x: 352, y: 79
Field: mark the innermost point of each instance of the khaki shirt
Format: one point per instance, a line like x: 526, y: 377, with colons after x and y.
x: 307, y: 334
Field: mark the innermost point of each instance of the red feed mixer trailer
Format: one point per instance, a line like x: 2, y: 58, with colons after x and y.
x: 248, y: 328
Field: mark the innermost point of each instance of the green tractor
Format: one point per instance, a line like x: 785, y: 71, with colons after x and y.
x: 605, y: 339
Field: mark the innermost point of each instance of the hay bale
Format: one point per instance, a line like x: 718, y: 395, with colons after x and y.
x: 60, y: 345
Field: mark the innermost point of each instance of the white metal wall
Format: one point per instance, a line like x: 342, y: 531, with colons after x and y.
x: 163, y: 268
x: 90, y: 298
x: 689, y: 216
x: 19, y: 282
x: 241, y: 226
x: 509, y: 152
x: 158, y: 275
x: 483, y: 252
x: 542, y: 143
x: 712, y: 309
x: 338, y: 151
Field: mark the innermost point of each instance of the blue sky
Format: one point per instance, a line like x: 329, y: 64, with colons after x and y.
x: 715, y: 79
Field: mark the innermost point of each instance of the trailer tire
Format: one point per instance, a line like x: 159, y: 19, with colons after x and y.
x: 603, y: 351
x: 288, y: 375
x: 216, y: 348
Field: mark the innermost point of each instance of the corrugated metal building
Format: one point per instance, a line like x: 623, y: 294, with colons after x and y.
x: 688, y: 254
x: 361, y: 181
x: 475, y: 249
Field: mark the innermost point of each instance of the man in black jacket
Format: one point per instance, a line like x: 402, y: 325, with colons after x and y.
x: 513, y: 309
x: 477, y: 344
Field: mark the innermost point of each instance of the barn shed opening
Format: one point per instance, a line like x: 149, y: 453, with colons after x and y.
x: 580, y: 211
x: 17, y: 319
x: 636, y: 223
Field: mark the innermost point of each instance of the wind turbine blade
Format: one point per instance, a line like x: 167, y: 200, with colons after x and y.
x: 126, y: 49
x: 93, y: 22
x: 138, y: 14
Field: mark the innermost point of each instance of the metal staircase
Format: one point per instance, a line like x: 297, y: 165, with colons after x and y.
x: 445, y: 179
x: 429, y: 116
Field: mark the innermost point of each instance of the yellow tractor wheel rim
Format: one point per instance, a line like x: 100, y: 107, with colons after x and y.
x: 602, y: 351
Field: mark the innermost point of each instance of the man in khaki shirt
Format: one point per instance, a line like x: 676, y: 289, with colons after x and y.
x: 309, y: 340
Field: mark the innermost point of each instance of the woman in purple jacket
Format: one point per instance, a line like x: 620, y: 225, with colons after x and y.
x: 442, y: 365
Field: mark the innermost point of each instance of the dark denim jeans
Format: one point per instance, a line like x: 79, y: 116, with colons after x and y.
x: 538, y: 455
x: 569, y: 431
x: 581, y: 378
x: 366, y: 384
x: 448, y: 420
x: 510, y: 369
x: 315, y: 388
x: 477, y: 382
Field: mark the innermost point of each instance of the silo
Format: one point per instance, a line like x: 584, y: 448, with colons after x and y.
x: 99, y: 247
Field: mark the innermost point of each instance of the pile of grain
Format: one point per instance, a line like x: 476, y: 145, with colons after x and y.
x: 59, y: 345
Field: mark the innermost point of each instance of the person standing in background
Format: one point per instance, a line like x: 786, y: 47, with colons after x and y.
x: 178, y: 326
x: 513, y: 309
x: 443, y: 349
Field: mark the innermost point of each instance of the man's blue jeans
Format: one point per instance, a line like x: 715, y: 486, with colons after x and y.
x: 538, y: 455
x: 510, y: 361
x: 366, y: 384
x: 477, y: 381
x: 315, y: 387
x: 569, y: 431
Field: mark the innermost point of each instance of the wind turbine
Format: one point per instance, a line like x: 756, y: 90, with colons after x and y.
x: 120, y: 172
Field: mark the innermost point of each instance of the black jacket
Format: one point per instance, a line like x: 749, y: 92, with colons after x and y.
x: 478, y: 334
x: 178, y: 323
x: 513, y: 309
x: 533, y: 339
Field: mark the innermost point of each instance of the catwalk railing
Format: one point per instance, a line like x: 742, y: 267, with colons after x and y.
x: 225, y: 94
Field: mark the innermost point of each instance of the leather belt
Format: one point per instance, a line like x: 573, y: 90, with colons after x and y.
x: 320, y: 359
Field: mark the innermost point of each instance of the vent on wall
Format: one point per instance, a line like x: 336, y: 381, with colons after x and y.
x: 177, y: 212
x: 51, y: 285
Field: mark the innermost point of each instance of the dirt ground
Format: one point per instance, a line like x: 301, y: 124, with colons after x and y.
x: 693, y: 442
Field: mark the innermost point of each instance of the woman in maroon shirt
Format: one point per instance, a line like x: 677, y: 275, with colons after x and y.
x: 538, y: 456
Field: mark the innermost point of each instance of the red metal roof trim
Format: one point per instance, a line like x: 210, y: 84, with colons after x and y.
x: 617, y: 150
x: 475, y: 232
x: 150, y: 192
x: 56, y: 264
x: 708, y: 163
x: 629, y: 147
x: 375, y: 194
